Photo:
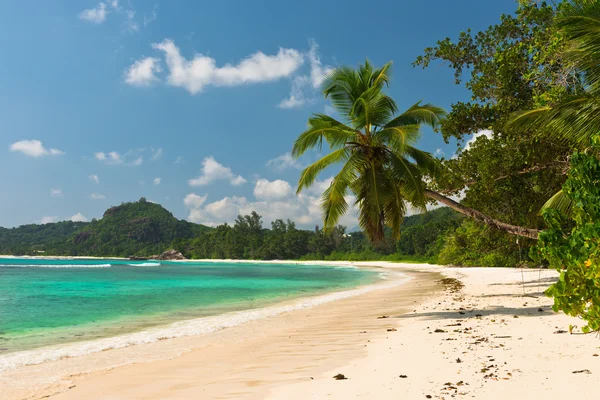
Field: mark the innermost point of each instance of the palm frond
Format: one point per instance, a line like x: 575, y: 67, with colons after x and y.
x: 580, y: 25
x: 333, y: 199
x: 561, y: 202
x: 407, y: 176
x: 425, y: 161
x: 398, y: 137
x: 394, y: 209
x: 321, y: 127
x: 310, y: 173
x: 418, y: 114
x: 574, y: 122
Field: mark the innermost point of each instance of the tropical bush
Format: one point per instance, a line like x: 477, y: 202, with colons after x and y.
x: 575, y: 251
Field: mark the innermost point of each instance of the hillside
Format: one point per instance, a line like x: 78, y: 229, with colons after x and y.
x: 139, y: 228
x: 27, y: 239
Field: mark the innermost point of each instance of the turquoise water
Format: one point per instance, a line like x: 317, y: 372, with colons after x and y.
x: 49, y: 302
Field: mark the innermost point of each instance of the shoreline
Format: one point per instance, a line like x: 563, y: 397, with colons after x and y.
x: 495, y: 336
x: 65, y: 358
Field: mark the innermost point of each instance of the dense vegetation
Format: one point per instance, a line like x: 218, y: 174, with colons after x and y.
x: 29, y: 239
x: 139, y: 228
x: 421, y: 239
x: 512, y: 172
x: 144, y: 229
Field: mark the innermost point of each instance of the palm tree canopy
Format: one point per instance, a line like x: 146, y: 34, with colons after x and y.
x: 380, y: 165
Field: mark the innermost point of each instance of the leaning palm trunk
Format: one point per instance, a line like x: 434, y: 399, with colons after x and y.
x: 479, y: 216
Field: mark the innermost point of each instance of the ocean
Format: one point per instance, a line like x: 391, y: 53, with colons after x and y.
x: 51, y: 309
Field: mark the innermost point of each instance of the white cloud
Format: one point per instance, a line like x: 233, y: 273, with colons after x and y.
x: 56, y: 192
x: 131, y: 158
x: 202, y: 71
x: 34, y: 148
x: 439, y: 152
x: 94, y: 178
x: 297, y: 98
x: 96, y: 15
x: 300, y: 84
x: 156, y: 154
x: 178, y: 160
x: 194, y: 200
x: 318, y: 72
x: 142, y: 72
x: 284, y: 162
x: 275, y: 190
x: 486, y: 132
x: 97, y: 196
x: 271, y: 204
x: 156, y: 181
x: 79, y: 218
x: 212, y: 171
x: 130, y: 20
x: 152, y: 17
x: 48, y: 220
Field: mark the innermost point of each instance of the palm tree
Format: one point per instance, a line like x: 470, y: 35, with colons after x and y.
x: 380, y: 165
x: 576, y: 120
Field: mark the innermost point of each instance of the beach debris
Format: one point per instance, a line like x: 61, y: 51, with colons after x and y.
x: 595, y: 355
x: 428, y: 396
x: 392, y: 329
x: 451, y: 284
x: 403, y: 376
x: 383, y: 317
x: 515, y: 316
x: 458, y: 360
x: 560, y: 331
x: 540, y: 309
x: 438, y: 330
x: 583, y: 371
x: 339, y: 377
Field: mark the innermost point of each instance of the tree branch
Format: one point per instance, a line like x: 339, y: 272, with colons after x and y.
x: 479, y: 216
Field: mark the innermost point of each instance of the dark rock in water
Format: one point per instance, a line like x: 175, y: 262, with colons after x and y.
x: 171, y: 255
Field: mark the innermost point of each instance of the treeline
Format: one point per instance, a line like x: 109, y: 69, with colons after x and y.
x: 144, y: 229
x: 423, y: 237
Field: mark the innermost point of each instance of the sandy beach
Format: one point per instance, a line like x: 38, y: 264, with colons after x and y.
x: 480, y: 333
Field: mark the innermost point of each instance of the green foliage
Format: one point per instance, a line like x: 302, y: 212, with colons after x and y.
x: 473, y: 244
x: 140, y: 228
x: 31, y: 239
x: 380, y: 166
x: 575, y: 251
x: 514, y: 65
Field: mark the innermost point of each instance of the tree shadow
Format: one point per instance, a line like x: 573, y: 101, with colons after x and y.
x: 495, y: 311
x: 528, y: 282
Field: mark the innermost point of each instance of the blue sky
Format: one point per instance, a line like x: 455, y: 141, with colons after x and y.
x: 193, y: 104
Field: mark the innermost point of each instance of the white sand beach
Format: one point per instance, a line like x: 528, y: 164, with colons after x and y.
x: 494, y: 337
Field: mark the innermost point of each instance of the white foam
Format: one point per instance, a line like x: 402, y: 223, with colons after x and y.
x: 198, y: 326
x: 55, y: 265
x: 146, y: 264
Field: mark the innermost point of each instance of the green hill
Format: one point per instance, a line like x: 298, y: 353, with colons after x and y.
x: 139, y: 228
x: 27, y: 239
